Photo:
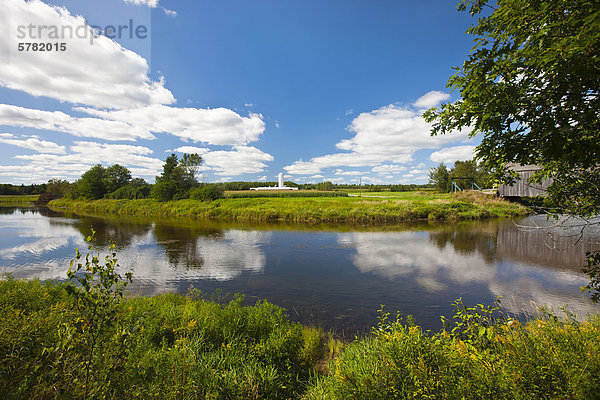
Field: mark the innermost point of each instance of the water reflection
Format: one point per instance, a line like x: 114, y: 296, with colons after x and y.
x: 161, y: 255
x: 336, y: 279
x: 511, y: 262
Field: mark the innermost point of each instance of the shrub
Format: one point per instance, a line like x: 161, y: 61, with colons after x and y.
x: 45, y: 198
x: 208, y: 192
x: 481, y: 357
x: 163, y: 191
x: 131, y: 192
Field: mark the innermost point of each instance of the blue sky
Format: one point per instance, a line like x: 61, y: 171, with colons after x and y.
x: 319, y: 90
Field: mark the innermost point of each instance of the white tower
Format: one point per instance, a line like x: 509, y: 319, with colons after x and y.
x: 280, y: 179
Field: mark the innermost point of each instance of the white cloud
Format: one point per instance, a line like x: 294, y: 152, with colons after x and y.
x: 32, y: 143
x: 411, y: 178
x: 317, y: 164
x: 59, y: 121
x: 191, y: 150
x: 218, y: 126
x: 431, y: 99
x: 317, y: 177
x: 121, y: 102
x: 392, y: 130
x: 149, y: 3
x: 347, y: 173
x: 152, y: 4
x: 80, y: 157
x: 242, y: 160
x: 262, y: 178
x: 389, y: 134
x: 451, y: 154
x: 371, y: 180
x: 76, y: 76
x: 388, y: 169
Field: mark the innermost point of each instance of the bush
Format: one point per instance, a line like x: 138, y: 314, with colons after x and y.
x: 208, y: 192
x: 163, y: 191
x: 45, y: 198
x: 131, y: 192
x: 326, y: 186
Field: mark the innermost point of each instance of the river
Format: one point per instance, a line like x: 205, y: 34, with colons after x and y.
x: 331, y: 276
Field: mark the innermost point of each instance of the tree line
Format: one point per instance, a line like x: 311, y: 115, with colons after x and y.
x: 178, y: 180
x: 17, y: 190
x: 440, y: 177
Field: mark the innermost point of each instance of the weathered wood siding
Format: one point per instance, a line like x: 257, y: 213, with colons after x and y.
x: 543, y: 247
x: 522, y: 187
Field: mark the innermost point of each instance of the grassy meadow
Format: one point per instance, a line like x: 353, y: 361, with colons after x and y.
x: 173, y: 346
x: 403, y: 206
x: 244, y: 194
x: 17, y: 200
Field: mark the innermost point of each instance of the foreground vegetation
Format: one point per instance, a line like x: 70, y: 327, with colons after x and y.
x: 174, y: 346
x: 545, y: 358
x: 405, y: 206
x: 167, y: 346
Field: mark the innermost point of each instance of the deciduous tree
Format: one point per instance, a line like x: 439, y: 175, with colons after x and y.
x: 531, y: 88
x: 439, y: 177
x: 177, y: 178
x: 92, y: 184
x: 116, y: 176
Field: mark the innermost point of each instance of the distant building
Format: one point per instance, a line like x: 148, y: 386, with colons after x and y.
x: 522, y: 187
x: 281, y: 185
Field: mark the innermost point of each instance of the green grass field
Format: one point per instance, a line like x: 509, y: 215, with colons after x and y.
x: 404, y: 206
x: 18, y: 200
x: 239, y: 194
x: 387, y: 193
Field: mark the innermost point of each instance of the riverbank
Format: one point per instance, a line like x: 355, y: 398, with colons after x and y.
x: 175, y: 346
x: 15, y: 201
x: 409, y: 207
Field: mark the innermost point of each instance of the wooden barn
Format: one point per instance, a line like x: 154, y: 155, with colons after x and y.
x: 522, y: 187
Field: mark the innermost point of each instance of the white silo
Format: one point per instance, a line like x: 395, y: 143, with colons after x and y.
x: 280, y: 179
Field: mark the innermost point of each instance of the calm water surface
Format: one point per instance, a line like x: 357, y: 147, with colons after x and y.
x: 333, y: 277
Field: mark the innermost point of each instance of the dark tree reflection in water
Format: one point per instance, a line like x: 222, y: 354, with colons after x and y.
x: 333, y: 276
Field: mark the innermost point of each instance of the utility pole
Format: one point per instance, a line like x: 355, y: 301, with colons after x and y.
x: 360, y: 187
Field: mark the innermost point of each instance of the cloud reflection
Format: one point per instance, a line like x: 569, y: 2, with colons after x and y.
x: 448, y: 257
x: 221, y: 258
x: 161, y: 255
